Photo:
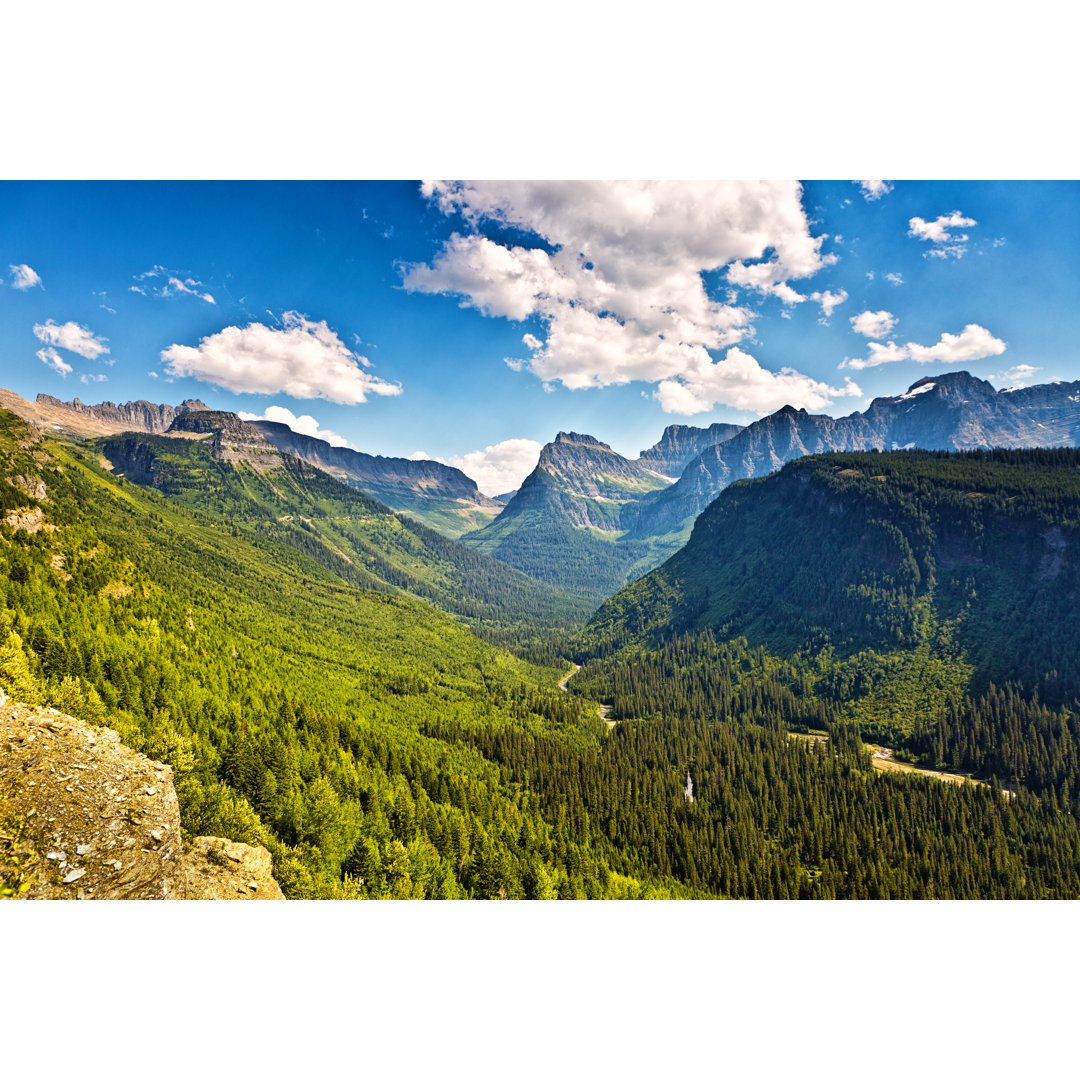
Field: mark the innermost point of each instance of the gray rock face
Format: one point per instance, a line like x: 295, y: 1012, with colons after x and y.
x: 680, y: 444
x: 230, y: 438
x: 582, y: 481
x: 138, y: 415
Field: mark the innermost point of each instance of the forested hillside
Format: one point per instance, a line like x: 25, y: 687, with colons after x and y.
x: 328, y: 722
x: 922, y: 599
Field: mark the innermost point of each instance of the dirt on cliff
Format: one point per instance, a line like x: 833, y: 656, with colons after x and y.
x: 83, y: 817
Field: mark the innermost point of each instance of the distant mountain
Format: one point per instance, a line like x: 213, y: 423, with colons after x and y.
x: 680, y: 444
x: 954, y: 411
x: 592, y: 519
x: 439, y: 495
x: 562, y: 523
x: 137, y: 415
x: 89, y: 421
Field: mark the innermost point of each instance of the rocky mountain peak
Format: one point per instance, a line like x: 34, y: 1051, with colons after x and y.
x: 573, y: 438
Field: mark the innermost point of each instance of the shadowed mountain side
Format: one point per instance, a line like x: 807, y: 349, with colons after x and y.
x: 439, y: 495
x: 875, y: 551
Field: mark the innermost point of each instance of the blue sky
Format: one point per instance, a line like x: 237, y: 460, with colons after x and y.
x: 471, y: 322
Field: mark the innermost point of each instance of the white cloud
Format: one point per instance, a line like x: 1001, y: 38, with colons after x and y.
x: 303, y: 425
x: 741, y: 382
x: 53, y: 359
x: 174, y: 284
x: 1021, y: 373
x: 305, y: 359
x: 499, y: 468
x: 974, y: 342
x: 938, y: 233
x: 829, y: 301
x: 895, y: 279
x: 496, y: 469
x: 73, y: 337
x: 88, y: 379
x: 618, y: 281
x: 873, y: 324
x: 23, y: 276
x: 874, y: 189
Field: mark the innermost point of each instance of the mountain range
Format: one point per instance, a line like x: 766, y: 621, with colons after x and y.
x: 589, y: 519
x: 438, y: 495
x: 628, y: 535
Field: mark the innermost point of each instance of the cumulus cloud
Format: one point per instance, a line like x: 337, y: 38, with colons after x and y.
x: 974, y: 342
x: 304, y: 359
x: 873, y: 324
x: 1021, y: 373
x: 496, y: 469
x: 741, y: 382
x: 23, y: 276
x: 173, y: 284
x: 303, y: 425
x: 499, y: 468
x: 613, y: 271
x: 87, y: 379
x: 895, y: 279
x: 73, y: 337
x: 51, y: 358
x: 874, y: 189
x: 945, y: 243
x: 829, y: 301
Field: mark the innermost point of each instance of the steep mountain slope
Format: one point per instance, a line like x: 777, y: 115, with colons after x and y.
x: 228, y: 470
x: 879, y: 551
x: 438, y: 495
x: 945, y: 412
x: 562, y: 523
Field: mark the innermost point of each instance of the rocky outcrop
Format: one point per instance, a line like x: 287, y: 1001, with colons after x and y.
x: 230, y: 439
x: 83, y: 817
x: 217, y: 869
x: 74, y: 418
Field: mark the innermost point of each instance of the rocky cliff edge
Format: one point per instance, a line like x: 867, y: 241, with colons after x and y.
x: 83, y: 817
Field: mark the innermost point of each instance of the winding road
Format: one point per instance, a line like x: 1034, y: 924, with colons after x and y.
x: 602, y: 711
